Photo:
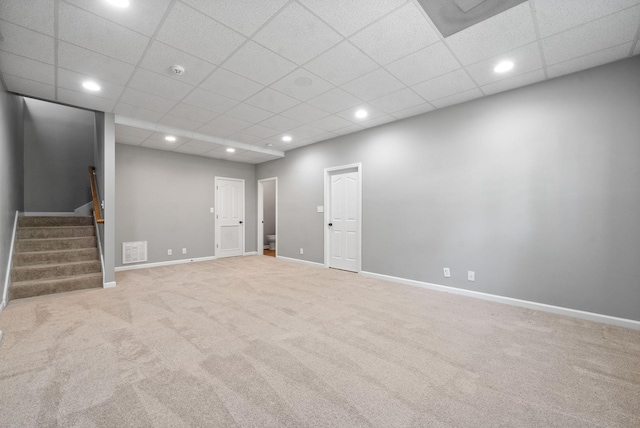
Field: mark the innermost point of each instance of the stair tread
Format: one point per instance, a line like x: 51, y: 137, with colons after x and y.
x: 84, y: 226
x: 56, y: 239
x: 49, y: 265
x: 70, y: 250
x: 57, y: 279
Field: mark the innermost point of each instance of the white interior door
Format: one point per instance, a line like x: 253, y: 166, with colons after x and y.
x: 344, y: 220
x: 229, y: 217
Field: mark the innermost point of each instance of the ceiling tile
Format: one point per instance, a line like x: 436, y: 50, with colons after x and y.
x: 399, y: 100
x: 249, y: 113
x: 243, y: 137
x: 280, y: 123
x: 180, y: 122
x: 27, y: 43
x: 245, y: 16
x: 97, y: 34
x: 399, y: 34
x: 272, y: 101
x: 160, y: 57
x: 146, y: 101
x: 261, y: 131
x: 341, y: 64
x: 304, y: 113
x: 190, y: 112
x: 306, y: 131
x: 555, y: 16
x: 142, y: 16
x: 213, y: 129
x: 84, y: 100
x: 259, y: 64
x: 93, y: 64
x: 430, y: 62
x: 457, y: 98
x: 132, y: 131
x: 500, y: 33
x: 378, y: 121
x: 163, y: 86
x: 129, y: 139
x: 413, y: 111
x: 331, y: 123
x: 210, y: 101
x: 136, y: 112
x: 73, y: 81
x: 227, y: 123
x: 27, y: 68
x: 302, y: 85
x: 350, y: 114
x: 514, y: 82
x: 30, y: 88
x: 192, y: 32
x: 373, y: 85
x: 297, y: 35
x: 445, y: 85
x: 231, y: 85
x: 349, y: 129
x: 352, y: 15
x: 33, y: 14
x: 591, y: 60
x: 595, y: 36
x: 526, y: 58
x: 335, y: 100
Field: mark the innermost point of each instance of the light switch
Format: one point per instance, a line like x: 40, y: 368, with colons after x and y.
x: 211, y: 210
x: 320, y: 209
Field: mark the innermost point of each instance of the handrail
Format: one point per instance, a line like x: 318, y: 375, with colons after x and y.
x: 94, y: 194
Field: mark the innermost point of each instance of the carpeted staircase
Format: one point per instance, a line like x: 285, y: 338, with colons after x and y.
x: 53, y: 255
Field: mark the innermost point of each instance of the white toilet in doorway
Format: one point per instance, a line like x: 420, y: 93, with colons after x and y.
x: 271, y: 240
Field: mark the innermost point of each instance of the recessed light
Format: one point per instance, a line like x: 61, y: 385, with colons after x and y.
x: 230, y: 149
x: 503, y: 67
x: 287, y: 138
x: 170, y: 138
x: 119, y: 3
x: 361, y: 114
x: 91, y: 86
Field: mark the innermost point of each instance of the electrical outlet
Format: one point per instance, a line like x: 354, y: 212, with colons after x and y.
x: 447, y: 272
x: 301, y: 250
x: 184, y: 251
x: 471, y: 275
x: 169, y: 252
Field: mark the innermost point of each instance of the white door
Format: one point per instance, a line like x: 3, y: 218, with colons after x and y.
x: 229, y: 217
x: 343, y: 220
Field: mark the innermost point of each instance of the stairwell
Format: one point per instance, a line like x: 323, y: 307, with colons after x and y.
x: 54, y: 255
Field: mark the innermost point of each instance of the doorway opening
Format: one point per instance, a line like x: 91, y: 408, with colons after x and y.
x: 268, y: 216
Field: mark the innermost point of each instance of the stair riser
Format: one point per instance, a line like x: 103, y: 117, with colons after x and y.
x: 62, y: 232
x: 48, y: 272
x: 54, y: 244
x: 34, y: 221
x: 26, y: 259
x: 43, y: 288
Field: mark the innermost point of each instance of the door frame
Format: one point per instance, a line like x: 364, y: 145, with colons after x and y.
x: 215, y: 204
x: 261, y: 214
x: 328, y: 172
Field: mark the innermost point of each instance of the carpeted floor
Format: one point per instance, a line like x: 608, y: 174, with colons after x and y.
x: 261, y: 342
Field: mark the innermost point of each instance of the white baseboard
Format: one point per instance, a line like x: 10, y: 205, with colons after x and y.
x: 111, y: 284
x: 251, y: 253
x: 49, y: 214
x: 304, y: 262
x: 591, y: 316
x: 7, y: 277
x: 167, y: 263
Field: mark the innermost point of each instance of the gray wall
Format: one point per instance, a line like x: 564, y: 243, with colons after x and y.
x: 58, y: 148
x: 11, y: 173
x: 536, y: 190
x: 164, y: 198
x: 269, y: 208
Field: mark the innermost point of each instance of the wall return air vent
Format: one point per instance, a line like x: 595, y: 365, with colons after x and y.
x: 134, y: 252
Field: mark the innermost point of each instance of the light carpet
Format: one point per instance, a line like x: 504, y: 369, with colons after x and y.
x: 261, y: 342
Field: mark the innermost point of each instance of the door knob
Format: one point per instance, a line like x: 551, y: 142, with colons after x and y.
x: 330, y: 224
x: 240, y: 221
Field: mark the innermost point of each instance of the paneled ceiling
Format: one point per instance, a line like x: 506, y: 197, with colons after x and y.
x: 257, y: 70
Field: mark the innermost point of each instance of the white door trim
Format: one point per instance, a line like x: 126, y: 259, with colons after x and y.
x: 327, y: 200
x: 216, y: 209
x: 261, y: 214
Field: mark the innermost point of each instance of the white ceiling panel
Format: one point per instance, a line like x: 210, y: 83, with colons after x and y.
x: 348, y: 129
x: 397, y: 35
x: 352, y: 15
x: 341, y: 64
x: 93, y: 64
x: 129, y: 110
x: 430, y: 62
x: 445, y: 85
x: 231, y: 85
x: 396, y: 101
x: 228, y: 123
x: 331, y: 123
x: 514, y: 82
x: 27, y: 68
x: 194, y: 113
x: 249, y: 113
x: 302, y: 85
x: 350, y: 114
x: 498, y: 34
x: 73, y: 81
x: 161, y: 85
x: 210, y: 101
x: 305, y: 113
x: 413, y: 111
x: 261, y: 131
x: 245, y: 138
x: 28, y: 43
x: 373, y: 85
x: 180, y: 122
x: 81, y: 99
x: 281, y: 123
x: 381, y: 120
x: 129, y: 139
x: 273, y: 101
x: 556, y: 16
x: 215, y: 130
x: 306, y: 131
x: 160, y: 57
x: 146, y: 100
x: 335, y: 100
x: 142, y: 16
x: 457, y: 98
x: 297, y: 35
x: 595, y: 36
x: 198, y: 35
x: 245, y: 16
x: 32, y: 14
x: 259, y: 64
x: 526, y: 59
x: 30, y: 88
x: 133, y: 132
x: 591, y: 60
x: 100, y: 35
